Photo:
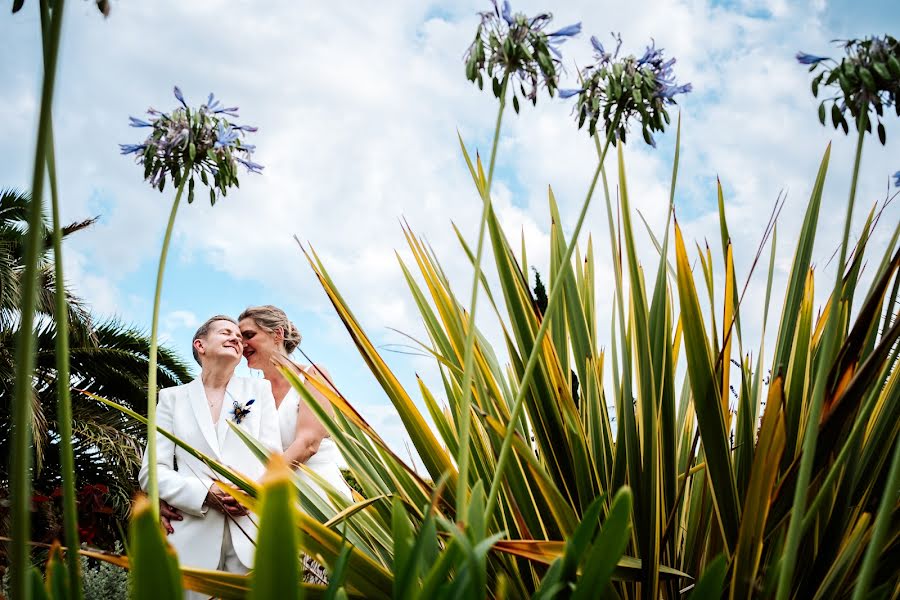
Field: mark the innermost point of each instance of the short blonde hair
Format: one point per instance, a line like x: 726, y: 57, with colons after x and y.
x: 269, y: 318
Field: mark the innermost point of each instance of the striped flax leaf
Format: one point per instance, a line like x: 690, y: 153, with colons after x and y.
x: 707, y: 401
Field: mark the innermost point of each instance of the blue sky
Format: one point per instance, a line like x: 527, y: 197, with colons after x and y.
x: 358, y: 115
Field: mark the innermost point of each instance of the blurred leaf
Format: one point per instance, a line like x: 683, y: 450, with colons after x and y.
x: 712, y: 582
x: 154, y: 566
x: 276, y: 570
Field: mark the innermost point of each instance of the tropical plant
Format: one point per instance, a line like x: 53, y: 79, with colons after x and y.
x: 105, y: 357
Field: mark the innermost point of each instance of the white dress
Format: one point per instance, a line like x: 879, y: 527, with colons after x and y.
x: 326, y: 462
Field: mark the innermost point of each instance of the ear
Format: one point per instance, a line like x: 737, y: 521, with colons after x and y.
x: 198, y: 346
x: 279, y: 335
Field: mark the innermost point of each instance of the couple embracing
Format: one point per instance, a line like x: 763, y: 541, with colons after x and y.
x: 207, y: 527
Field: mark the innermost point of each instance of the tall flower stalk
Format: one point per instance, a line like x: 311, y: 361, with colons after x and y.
x: 609, y: 97
x: 25, y: 343
x: 64, y: 403
x: 866, y: 81
x: 183, y: 145
x: 517, y: 49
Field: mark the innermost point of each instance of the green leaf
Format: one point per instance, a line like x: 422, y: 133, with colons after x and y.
x: 154, y: 566
x: 607, y: 549
x: 711, y: 583
x: 822, y: 112
x: 276, y: 570
x: 894, y: 65
x: 38, y: 591
x: 815, y: 84
x: 835, y: 115
x: 192, y: 151
x: 707, y: 398
x: 882, y: 71
x: 882, y: 134
x: 866, y: 76
x: 516, y: 104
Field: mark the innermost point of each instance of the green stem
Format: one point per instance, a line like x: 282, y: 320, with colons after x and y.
x: 555, y: 293
x: 879, y: 530
x: 64, y: 400
x: 25, y: 341
x: 152, y: 485
x: 811, y: 434
x: 469, y: 346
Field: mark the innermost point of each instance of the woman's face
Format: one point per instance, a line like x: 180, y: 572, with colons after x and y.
x: 259, y: 344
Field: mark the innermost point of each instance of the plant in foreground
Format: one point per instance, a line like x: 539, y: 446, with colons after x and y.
x: 184, y: 144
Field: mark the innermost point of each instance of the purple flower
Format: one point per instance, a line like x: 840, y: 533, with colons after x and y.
x: 185, y: 143
x: 132, y: 148
x: 506, y: 13
x: 225, y: 136
x: 567, y: 31
x: 179, y: 96
x: 668, y: 91
x: 597, y: 45
x: 650, y: 54
x: 252, y: 167
x: 809, y: 59
x: 568, y: 93
x: 896, y: 177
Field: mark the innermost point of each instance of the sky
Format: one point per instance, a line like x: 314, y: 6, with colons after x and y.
x: 358, y: 113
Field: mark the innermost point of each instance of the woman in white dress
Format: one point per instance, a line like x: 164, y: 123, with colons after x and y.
x: 269, y: 339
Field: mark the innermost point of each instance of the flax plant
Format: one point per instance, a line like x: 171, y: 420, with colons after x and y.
x: 20, y: 470
x: 655, y: 488
x: 518, y: 49
x: 868, y: 80
x: 183, y: 145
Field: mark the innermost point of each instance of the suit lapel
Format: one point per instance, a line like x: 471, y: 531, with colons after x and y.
x: 201, y: 413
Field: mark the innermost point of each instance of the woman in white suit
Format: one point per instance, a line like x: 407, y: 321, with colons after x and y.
x: 214, y: 531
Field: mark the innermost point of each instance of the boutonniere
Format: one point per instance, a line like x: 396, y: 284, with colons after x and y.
x: 239, y: 411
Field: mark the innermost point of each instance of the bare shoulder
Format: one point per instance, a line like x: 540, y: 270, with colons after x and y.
x: 317, y: 370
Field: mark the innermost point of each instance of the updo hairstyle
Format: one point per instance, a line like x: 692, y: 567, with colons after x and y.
x: 269, y: 318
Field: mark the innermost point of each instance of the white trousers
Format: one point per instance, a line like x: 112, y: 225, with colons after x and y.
x: 228, y: 562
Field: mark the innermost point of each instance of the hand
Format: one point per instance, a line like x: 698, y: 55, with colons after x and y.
x: 167, y: 514
x: 222, y: 501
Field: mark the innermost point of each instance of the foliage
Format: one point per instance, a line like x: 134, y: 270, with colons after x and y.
x: 637, y: 490
x: 866, y: 81
x: 106, y: 357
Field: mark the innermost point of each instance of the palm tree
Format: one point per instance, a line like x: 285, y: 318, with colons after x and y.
x: 107, y: 358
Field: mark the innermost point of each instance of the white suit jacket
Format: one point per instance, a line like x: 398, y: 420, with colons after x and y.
x: 184, y: 412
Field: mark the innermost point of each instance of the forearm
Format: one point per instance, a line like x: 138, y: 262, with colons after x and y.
x: 302, y: 448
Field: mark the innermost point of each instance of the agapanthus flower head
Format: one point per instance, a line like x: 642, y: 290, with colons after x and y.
x: 865, y: 81
x: 617, y: 92
x: 515, y: 46
x: 189, y: 143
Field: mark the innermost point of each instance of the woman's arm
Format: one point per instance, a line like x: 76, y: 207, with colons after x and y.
x: 310, y: 431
